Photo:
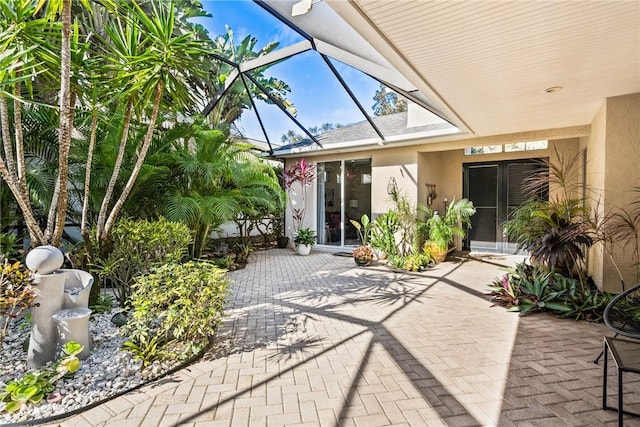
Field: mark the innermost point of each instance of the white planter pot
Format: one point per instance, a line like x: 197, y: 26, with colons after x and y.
x: 77, y: 287
x: 73, y: 325
x: 304, y: 249
x: 49, y: 290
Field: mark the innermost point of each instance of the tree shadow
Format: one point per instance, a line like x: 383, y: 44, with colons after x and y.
x: 291, y: 341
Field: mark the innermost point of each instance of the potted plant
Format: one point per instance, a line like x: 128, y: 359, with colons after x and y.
x: 443, y: 230
x: 363, y: 255
x: 304, y: 239
x: 282, y: 241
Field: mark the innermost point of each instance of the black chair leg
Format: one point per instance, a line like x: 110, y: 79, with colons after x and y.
x: 601, y: 353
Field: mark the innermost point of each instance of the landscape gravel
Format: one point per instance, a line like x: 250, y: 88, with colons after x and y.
x: 106, y: 372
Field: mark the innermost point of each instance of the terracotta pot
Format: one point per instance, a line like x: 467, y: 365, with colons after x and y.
x: 438, y: 254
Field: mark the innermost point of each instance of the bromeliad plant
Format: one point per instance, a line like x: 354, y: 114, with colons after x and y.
x: 529, y: 288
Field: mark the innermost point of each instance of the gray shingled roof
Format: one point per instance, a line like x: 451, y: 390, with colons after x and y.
x: 392, y: 126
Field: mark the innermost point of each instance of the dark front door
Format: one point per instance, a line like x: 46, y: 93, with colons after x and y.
x: 495, y: 188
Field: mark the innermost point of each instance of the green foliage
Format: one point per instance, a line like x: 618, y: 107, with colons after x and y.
x: 147, y: 349
x: 414, y: 262
x: 34, y: 386
x: 104, y: 303
x: 418, y: 262
x: 305, y: 236
x: 363, y: 228
x: 444, y: 229
x: 529, y: 288
x: 16, y: 294
x: 138, y: 246
x: 407, y: 222
x: 206, y: 183
x: 557, y: 232
x: 9, y: 246
x: 176, y: 309
x: 383, y: 233
x: 387, y: 102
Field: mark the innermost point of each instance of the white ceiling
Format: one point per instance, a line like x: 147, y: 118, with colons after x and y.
x: 486, y: 64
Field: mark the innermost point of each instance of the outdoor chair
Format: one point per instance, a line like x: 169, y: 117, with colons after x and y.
x: 622, y: 316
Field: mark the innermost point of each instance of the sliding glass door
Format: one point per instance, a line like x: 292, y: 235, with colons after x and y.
x: 344, y: 193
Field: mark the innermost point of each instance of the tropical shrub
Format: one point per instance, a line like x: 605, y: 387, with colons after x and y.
x: 383, y: 233
x: 206, y: 183
x: 137, y: 247
x: 444, y: 229
x: 9, y: 246
x: 363, y: 228
x: 557, y: 232
x: 418, y: 262
x: 528, y: 288
x: 16, y: 294
x: 175, y: 310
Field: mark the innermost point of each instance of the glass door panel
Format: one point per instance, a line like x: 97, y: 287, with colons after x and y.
x: 357, y: 196
x: 329, y: 203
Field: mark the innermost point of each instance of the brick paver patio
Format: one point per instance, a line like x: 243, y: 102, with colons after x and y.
x: 317, y: 341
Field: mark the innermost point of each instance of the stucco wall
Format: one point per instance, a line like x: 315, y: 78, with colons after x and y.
x: 613, y: 156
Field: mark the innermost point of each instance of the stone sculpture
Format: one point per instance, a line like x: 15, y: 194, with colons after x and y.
x: 61, y: 313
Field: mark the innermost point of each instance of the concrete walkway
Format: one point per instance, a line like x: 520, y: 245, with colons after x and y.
x: 317, y: 341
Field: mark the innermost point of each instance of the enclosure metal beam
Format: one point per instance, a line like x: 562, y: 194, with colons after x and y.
x: 276, y: 56
x: 283, y: 108
x: 351, y: 94
x: 221, y: 91
x: 253, y: 104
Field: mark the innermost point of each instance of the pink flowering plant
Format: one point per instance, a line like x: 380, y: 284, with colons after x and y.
x: 364, y: 253
x: 298, y: 175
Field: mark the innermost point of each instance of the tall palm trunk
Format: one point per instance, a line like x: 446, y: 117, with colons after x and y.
x: 6, y: 136
x: 66, y: 122
x: 17, y: 122
x: 102, y: 216
x: 87, y: 184
x: 8, y: 172
x: 141, y: 156
x: 37, y: 236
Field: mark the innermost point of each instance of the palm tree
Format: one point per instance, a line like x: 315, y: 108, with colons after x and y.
x: 206, y: 183
x: 149, y: 62
x: 29, y: 42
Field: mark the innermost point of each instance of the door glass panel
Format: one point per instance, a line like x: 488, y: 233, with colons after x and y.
x: 517, y: 175
x: 483, y: 192
x: 329, y: 198
x: 357, y: 196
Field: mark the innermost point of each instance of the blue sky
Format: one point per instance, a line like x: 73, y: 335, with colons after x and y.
x: 316, y: 93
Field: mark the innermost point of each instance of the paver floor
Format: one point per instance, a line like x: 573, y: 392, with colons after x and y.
x: 317, y: 341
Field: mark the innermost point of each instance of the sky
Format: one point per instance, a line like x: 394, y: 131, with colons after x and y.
x: 315, y: 92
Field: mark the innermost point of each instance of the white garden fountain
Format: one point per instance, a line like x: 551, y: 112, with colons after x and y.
x: 61, y: 313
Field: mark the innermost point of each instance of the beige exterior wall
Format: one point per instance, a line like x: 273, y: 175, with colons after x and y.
x: 613, y: 170
x: 611, y: 141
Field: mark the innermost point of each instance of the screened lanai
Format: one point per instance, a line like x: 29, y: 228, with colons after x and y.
x: 315, y: 90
